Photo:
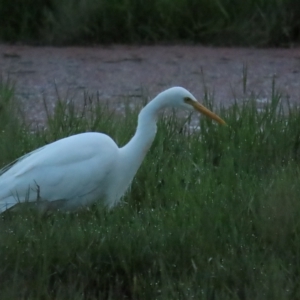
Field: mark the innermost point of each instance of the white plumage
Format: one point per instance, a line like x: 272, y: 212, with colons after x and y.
x: 78, y: 170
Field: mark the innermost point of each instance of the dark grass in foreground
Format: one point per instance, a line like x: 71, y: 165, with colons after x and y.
x: 212, y: 214
x: 212, y: 22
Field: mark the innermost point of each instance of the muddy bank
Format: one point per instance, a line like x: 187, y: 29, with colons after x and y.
x: 126, y: 73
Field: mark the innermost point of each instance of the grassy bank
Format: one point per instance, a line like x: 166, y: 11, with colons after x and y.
x: 213, y: 22
x: 212, y: 214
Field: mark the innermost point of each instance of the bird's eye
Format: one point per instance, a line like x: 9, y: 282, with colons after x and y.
x: 187, y: 100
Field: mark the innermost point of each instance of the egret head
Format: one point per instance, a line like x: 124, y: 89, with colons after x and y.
x: 181, y: 97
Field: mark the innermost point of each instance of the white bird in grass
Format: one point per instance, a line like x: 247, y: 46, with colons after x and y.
x: 79, y: 170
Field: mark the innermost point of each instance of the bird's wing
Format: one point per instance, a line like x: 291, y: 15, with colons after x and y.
x: 69, y: 168
x: 10, y: 165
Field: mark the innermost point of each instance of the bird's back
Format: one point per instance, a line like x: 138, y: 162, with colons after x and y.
x: 68, y: 168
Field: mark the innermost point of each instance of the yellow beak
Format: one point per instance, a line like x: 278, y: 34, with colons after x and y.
x: 202, y: 109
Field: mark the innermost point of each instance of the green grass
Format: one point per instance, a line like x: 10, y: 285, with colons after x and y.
x: 212, y: 214
x: 213, y: 22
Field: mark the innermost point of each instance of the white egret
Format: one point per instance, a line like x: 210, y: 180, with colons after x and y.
x: 76, y: 171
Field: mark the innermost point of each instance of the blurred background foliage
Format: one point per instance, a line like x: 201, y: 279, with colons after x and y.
x: 210, y: 22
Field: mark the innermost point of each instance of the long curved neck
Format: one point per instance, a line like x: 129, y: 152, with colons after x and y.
x: 134, y: 152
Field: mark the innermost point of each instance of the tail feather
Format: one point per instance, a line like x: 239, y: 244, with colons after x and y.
x: 7, y: 204
x: 8, y: 198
